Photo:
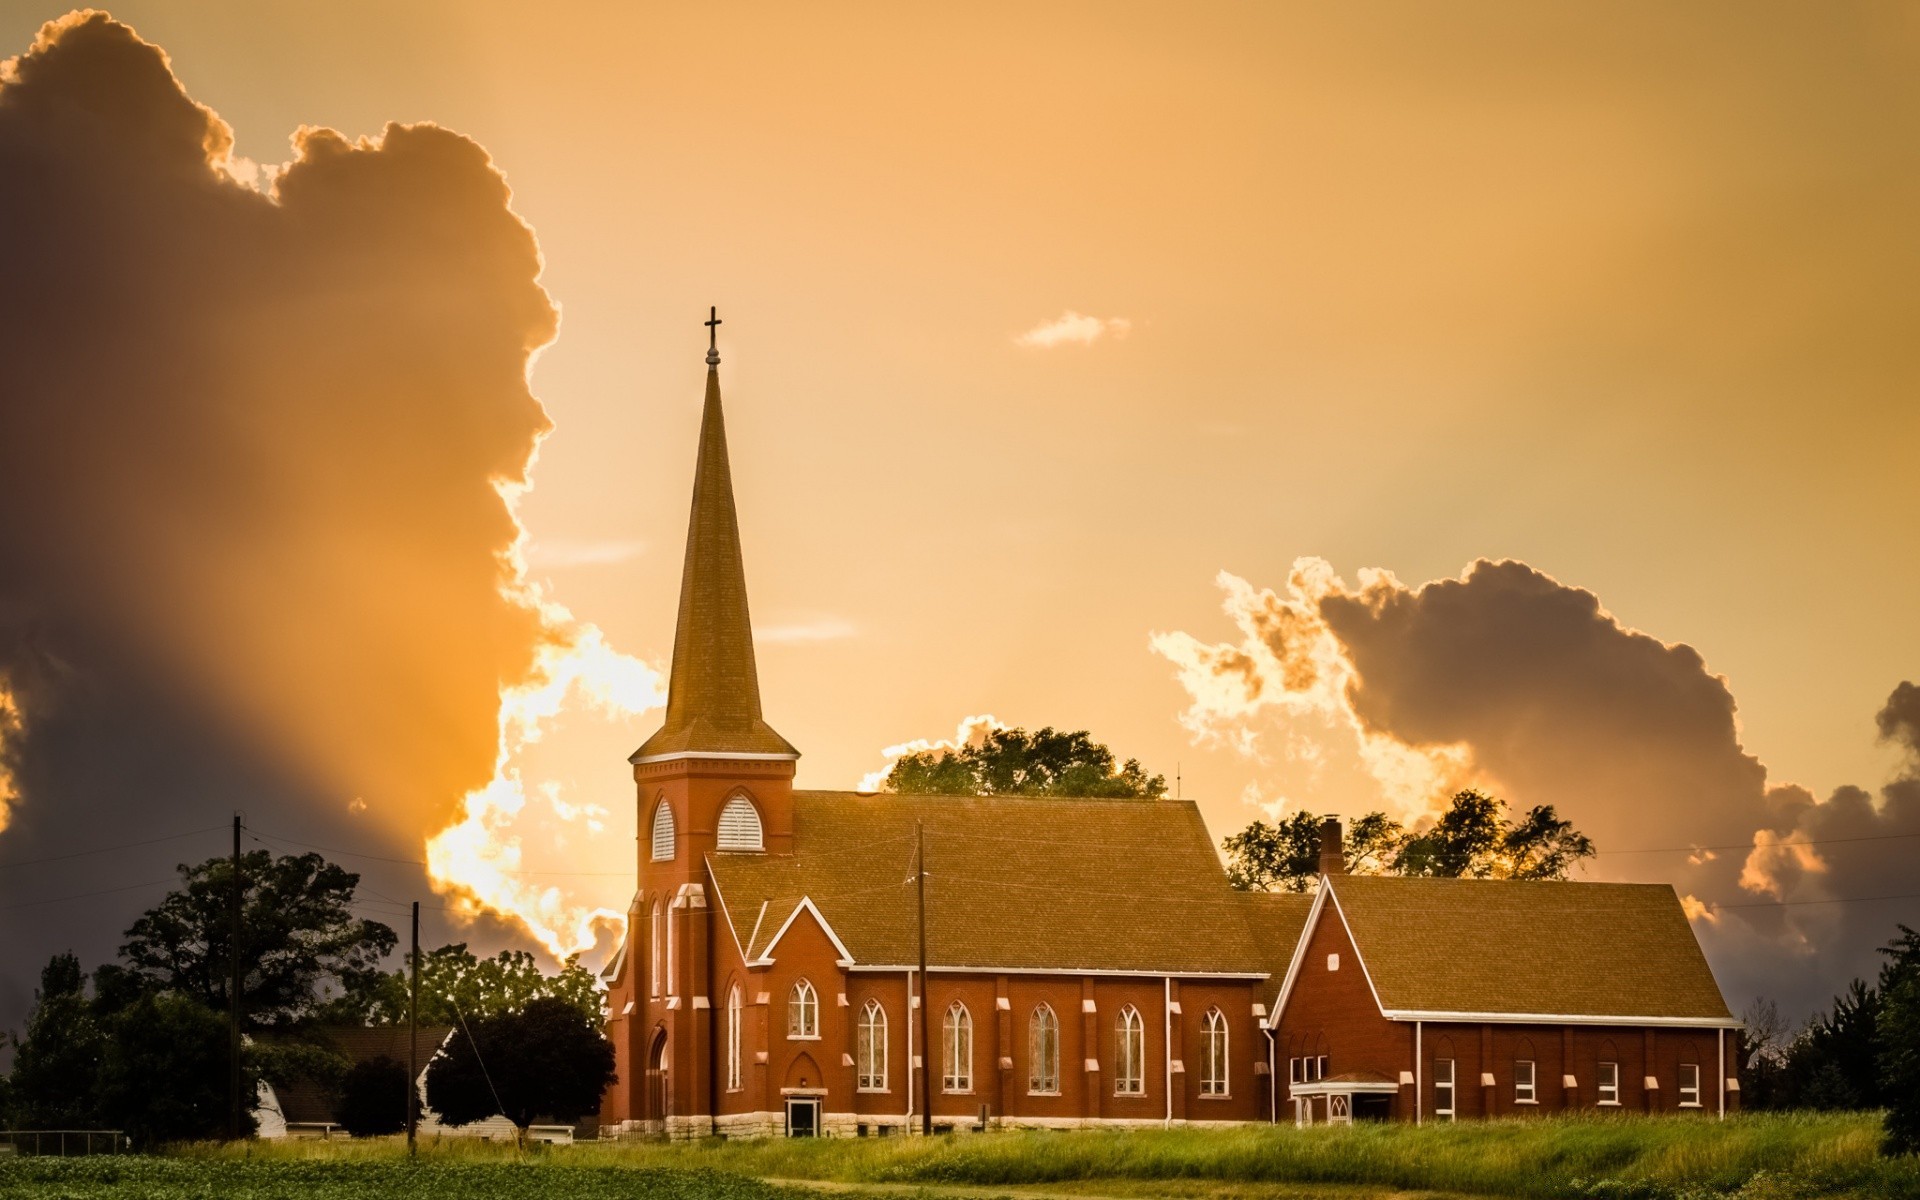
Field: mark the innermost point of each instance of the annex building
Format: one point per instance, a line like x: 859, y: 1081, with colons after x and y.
x: 1085, y: 961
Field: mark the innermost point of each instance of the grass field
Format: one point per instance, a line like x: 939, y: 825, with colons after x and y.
x: 1761, y: 1157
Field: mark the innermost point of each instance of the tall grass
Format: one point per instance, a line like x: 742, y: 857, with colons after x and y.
x: 1761, y: 1156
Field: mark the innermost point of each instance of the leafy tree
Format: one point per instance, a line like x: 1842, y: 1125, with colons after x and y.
x: 1898, y: 1035
x: 1280, y: 857
x: 547, y: 1060
x: 163, y: 1077
x: 482, y: 987
x: 58, y: 1062
x: 1013, y: 762
x: 373, y: 1098
x: 1472, y: 838
x: 300, y: 941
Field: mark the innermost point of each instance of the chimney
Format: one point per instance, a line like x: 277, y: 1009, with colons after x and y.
x: 1332, y: 860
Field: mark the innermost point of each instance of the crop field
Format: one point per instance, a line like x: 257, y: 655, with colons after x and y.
x: 1761, y: 1157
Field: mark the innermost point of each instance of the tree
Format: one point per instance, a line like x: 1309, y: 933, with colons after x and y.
x: 1281, y: 857
x: 163, y: 1077
x: 1898, y: 1036
x: 547, y: 1060
x: 481, y: 987
x: 1012, y: 762
x: 58, y: 1062
x: 300, y: 941
x: 1472, y: 838
x: 373, y: 1098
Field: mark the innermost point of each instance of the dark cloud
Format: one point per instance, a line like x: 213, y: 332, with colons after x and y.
x: 1510, y: 678
x: 254, y: 552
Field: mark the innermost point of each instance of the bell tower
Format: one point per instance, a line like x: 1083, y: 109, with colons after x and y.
x: 715, y: 778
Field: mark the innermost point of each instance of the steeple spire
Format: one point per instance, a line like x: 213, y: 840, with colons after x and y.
x: 713, y: 693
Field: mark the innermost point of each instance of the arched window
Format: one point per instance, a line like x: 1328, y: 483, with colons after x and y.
x: 662, y: 831
x: 803, y: 1011
x: 673, y: 979
x: 659, y: 944
x: 1043, y: 1052
x: 733, y: 1038
x: 870, y: 1048
x: 956, y: 1040
x: 1129, y: 1053
x: 1213, y: 1053
x: 740, y: 825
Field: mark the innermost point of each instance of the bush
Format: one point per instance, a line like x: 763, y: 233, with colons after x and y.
x: 373, y: 1098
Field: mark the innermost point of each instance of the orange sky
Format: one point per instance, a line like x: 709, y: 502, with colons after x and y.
x: 1622, y: 291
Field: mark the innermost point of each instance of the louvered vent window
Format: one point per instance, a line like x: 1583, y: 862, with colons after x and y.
x: 740, y: 825
x: 662, y: 832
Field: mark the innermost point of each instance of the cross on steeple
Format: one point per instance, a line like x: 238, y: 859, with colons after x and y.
x: 713, y: 323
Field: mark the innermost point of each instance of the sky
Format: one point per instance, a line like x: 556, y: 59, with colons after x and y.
x: 1327, y: 405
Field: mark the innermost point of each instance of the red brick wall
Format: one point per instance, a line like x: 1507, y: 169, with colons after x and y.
x: 1334, y: 1013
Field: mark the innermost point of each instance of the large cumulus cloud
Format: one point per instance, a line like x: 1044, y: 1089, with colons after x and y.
x: 258, y: 434
x: 1509, y: 678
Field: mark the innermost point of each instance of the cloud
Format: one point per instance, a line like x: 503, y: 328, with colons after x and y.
x: 1072, y: 328
x: 825, y: 629
x: 972, y: 731
x: 1513, y: 680
x: 562, y: 555
x: 259, y: 449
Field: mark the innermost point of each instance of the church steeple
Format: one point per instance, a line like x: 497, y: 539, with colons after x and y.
x: 713, y: 694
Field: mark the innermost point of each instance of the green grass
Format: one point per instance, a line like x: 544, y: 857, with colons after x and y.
x: 1759, y: 1157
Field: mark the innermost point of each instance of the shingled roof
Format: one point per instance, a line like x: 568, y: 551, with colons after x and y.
x: 1014, y: 883
x: 713, y: 690
x: 1514, y: 948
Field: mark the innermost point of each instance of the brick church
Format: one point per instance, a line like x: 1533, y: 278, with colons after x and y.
x: 1082, y: 962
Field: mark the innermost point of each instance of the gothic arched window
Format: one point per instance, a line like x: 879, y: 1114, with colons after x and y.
x: 659, y: 944
x: 803, y: 1011
x: 734, y: 1009
x: 870, y: 1048
x: 1129, y: 1053
x: 662, y: 831
x: 1043, y: 1052
x: 740, y: 826
x: 1213, y: 1053
x: 956, y: 1044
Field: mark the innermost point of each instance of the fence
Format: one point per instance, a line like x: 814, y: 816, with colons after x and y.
x: 63, y: 1142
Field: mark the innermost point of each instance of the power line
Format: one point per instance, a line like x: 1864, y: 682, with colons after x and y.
x: 1870, y: 837
x: 87, y: 895
x: 172, y: 837
x: 415, y: 862
x: 1794, y: 903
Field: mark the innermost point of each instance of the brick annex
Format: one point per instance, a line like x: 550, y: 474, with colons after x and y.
x: 1086, y: 961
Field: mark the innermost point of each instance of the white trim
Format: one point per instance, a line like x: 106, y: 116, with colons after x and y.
x: 671, y: 829
x: 710, y: 755
x: 1723, y: 1074
x: 1101, y: 972
x: 1480, y: 1018
x: 806, y: 902
x: 1419, y: 1064
x: 1168, y: 1006
x: 1299, y: 955
x: 1342, y: 1087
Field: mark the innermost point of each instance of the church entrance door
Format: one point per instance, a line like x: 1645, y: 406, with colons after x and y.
x: 657, y: 1078
x: 803, y: 1116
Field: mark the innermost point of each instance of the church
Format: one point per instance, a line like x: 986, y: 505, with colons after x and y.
x: 811, y: 963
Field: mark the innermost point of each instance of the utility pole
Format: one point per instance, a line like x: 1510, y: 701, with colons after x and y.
x: 926, y: 1042
x: 233, y: 995
x: 413, y: 1039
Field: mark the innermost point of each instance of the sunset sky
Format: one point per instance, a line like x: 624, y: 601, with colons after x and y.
x: 1038, y: 318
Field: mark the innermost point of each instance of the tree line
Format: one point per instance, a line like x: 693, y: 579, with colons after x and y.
x: 141, y: 1044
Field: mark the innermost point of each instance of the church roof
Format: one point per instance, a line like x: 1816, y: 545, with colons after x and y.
x: 1506, y: 947
x: 713, y: 690
x: 1013, y: 883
